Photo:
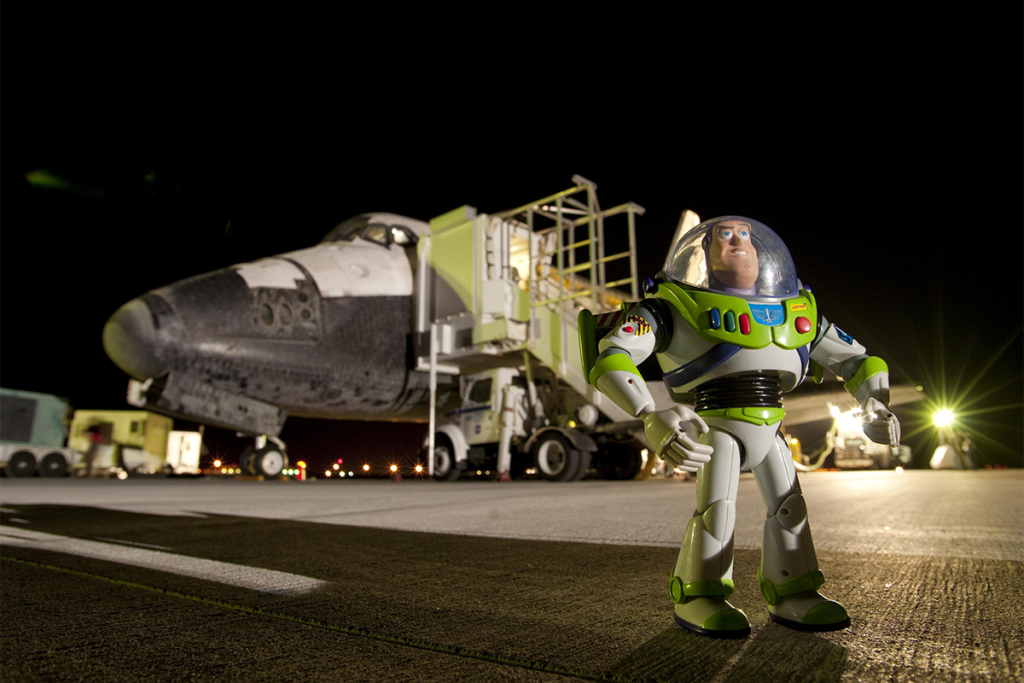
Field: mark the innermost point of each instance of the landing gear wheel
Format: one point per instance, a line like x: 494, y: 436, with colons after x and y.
x: 53, y: 465
x: 21, y: 464
x: 269, y: 461
x: 557, y: 460
x: 445, y: 467
x: 245, y: 461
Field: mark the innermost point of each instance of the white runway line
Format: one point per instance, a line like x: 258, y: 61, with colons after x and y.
x: 253, y: 578
x: 134, y: 543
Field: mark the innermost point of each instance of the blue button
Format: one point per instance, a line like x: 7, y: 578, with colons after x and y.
x: 716, y: 319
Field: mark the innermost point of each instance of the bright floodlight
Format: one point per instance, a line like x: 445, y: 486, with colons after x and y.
x: 849, y: 422
x: 943, y: 418
x: 419, y: 468
x: 366, y: 468
x: 394, y: 468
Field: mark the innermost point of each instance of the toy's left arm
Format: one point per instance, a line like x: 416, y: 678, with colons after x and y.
x: 867, y: 378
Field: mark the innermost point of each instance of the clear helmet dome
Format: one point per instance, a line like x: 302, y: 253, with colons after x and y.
x: 734, y: 255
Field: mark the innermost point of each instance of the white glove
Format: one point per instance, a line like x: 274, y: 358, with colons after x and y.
x: 880, y: 425
x: 673, y: 433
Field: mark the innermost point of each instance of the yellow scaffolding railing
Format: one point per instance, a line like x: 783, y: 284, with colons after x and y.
x: 569, y: 211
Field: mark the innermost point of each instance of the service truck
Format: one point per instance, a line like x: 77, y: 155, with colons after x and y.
x: 33, y: 430
x: 140, y: 442
x: 525, y: 421
x: 42, y: 434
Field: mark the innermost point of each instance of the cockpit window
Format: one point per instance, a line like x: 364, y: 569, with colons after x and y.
x: 360, y: 226
x: 377, y: 232
x: 347, y: 230
x: 403, y: 236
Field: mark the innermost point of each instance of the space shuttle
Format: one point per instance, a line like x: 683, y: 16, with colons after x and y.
x: 323, y: 332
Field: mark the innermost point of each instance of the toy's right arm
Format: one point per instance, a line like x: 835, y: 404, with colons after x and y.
x: 624, y: 348
x: 672, y: 433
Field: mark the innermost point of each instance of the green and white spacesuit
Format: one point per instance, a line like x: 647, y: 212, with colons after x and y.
x: 734, y: 329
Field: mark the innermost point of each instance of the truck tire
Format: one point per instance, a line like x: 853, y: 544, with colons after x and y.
x: 21, y: 464
x: 622, y: 462
x: 53, y: 465
x: 581, y: 470
x: 445, y: 467
x: 556, y: 459
x: 269, y: 461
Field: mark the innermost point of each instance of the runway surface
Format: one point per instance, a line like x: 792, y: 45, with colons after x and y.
x: 149, y: 579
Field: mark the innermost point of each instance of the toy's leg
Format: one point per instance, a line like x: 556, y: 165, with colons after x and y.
x: 702, y: 579
x: 789, y: 575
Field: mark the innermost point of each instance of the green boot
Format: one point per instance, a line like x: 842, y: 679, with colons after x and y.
x: 797, y: 604
x: 712, y: 616
x: 702, y: 607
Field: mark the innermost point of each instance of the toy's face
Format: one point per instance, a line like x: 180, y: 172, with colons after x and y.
x: 733, y: 255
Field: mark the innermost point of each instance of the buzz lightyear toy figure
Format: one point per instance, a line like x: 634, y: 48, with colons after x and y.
x: 734, y: 329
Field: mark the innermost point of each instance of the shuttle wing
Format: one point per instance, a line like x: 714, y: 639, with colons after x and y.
x: 810, y: 403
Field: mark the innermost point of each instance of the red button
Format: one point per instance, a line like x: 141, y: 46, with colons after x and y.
x: 803, y: 325
x: 744, y: 324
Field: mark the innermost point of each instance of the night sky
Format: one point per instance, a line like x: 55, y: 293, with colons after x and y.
x: 899, y: 198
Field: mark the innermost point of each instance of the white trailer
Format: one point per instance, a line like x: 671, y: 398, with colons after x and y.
x: 183, y: 452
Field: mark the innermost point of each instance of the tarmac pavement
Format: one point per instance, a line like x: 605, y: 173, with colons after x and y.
x: 525, y: 581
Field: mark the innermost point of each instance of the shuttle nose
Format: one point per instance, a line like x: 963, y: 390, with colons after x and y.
x: 130, y: 340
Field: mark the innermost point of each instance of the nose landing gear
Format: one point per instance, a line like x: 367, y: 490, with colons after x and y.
x: 267, y: 458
